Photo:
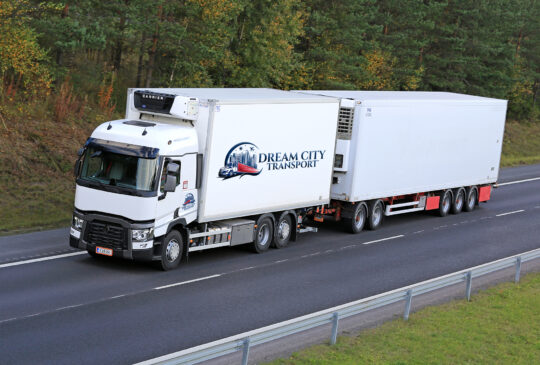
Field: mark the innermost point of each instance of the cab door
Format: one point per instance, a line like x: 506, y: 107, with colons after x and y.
x: 180, y: 205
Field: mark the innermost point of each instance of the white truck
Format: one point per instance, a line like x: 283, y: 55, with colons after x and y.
x: 195, y: 169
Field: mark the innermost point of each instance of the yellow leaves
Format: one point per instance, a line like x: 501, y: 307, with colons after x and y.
x: 379, y: 69
x: 21, y: 58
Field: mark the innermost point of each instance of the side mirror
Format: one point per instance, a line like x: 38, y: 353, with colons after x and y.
x: 80, y: 151
x: 173, y: 168
x: 170, y: 184
x: 77, y: 168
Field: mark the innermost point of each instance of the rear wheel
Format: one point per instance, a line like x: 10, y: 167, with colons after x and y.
x: 445, y: 203
x: 283, y: 232
x: 472, y: 197
x: 458, y: 202
x: 357, y: 222
x: 171, y: 250
x: 376, y: 215
x: 263, y: 235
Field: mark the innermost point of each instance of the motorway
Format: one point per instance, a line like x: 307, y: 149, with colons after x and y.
x: 60, y: 306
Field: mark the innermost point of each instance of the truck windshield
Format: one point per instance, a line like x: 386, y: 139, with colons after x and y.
x: 113, y: 169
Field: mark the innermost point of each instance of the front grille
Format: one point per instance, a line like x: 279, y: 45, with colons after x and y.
x: 105, y: 234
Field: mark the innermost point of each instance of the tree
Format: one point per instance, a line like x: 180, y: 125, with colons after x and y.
x: 22, y: 60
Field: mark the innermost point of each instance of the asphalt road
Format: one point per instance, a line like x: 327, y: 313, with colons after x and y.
x: 76, y: 309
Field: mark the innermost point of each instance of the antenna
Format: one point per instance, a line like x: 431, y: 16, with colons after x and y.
x: 144, y: 132
x: 109, y: 126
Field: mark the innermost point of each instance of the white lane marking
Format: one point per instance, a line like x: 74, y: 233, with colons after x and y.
x: 187, y: 282
x: 383, y: 239
x: 280, y: 261
x: 519, y: 181
x: 537, y: 207
x: 507, y: 213
x: 42, y: 259
x: 247, y: 268
x: 418, y: 231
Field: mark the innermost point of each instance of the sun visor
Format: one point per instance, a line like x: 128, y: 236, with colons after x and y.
x: 122, y: 148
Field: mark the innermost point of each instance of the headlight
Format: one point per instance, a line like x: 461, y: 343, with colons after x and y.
x: 140, y: 235
x: 77, y: 223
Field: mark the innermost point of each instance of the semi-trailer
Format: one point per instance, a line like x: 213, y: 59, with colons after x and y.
x: 195, y: 169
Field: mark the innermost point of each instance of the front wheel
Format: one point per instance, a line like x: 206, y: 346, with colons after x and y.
x: 171, y: 250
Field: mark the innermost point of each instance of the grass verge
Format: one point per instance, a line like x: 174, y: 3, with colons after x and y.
x: 500, y: 325
x: 521, y: 144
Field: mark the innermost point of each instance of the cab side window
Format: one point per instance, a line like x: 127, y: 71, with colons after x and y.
x: 164, y: 174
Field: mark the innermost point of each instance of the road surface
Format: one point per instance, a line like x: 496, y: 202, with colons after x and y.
x: 60, y: 306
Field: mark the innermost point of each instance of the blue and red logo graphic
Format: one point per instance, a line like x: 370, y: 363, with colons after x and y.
x: 189, y: 201
x: 241, y: 160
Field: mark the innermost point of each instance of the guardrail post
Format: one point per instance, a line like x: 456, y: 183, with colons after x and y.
x: 518, y: 269
x: 335, y: 320
x: 469, y: 285
x: 408, y: 300
x: 245, y: 351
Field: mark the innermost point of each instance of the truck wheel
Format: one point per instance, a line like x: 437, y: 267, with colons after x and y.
x: 472, y: 197
x: 376, y: 215
x: 358, y: 221
x: 171, y: 250
x: 283, y: 231
x: 458, y: 202
x: 263, y: 235
x: 445, y: 203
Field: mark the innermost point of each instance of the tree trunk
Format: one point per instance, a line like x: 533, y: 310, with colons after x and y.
x: 152, y: 52
x: 59, y: 52
x: 117, y: 55
x: 140, y: 61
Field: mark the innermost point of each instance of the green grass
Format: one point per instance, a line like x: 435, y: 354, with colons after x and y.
x: 499, y: 326
x: 36, y: 160
x: 521, y: 144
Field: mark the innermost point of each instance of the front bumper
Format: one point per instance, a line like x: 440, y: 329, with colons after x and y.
x: 121, y: 243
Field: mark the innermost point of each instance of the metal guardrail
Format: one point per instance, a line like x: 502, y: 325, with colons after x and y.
x: 243, y: 342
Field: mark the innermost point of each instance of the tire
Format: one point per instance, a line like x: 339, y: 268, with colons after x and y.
x: 445, y: 203
x: 283, y: 231
x: 471, y: 200
x: 459, y: 201
x: 356, y: 223
x: 263, y: 235
x: 376, y: 215
x: 171, y: 250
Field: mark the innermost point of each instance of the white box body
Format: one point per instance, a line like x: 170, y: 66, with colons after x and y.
x: 265, y: 124
x: 411, y: 142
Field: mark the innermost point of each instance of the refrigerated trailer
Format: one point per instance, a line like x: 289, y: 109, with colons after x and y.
x: 194, y: 169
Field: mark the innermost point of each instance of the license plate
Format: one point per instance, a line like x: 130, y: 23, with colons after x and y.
x: 104, y: 251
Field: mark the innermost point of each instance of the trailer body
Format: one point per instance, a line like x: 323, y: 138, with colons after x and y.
x: 397, y: 143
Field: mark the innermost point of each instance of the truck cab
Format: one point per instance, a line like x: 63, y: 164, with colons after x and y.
x: 130, y: 176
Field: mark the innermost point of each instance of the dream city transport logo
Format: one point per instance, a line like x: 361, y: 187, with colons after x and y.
x: 244, y: 158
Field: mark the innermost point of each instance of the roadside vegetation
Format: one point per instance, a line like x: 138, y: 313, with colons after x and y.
x: 500, y: 325
x: 65, y: 67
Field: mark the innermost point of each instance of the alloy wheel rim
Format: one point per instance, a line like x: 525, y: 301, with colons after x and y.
x: 173, y: 250
x: 284, y: 229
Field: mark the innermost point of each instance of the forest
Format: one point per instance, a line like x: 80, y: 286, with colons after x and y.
x: 65, y: 67
x: 86, y: 53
